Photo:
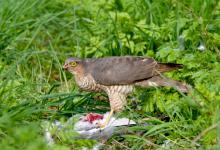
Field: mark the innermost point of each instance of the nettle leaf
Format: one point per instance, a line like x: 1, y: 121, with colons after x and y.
x: 150, y: 53
x: 173, y: 56
x: 169, y: 55
x: 142, y: 24
x: 162, y: 54
x: 160, y: 101
x: 139, y: 47
x: 182, y: 22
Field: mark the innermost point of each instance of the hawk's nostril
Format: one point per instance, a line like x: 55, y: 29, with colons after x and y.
x: 65, y: 66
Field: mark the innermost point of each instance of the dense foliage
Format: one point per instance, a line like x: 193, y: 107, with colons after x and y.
x: 36, y: 36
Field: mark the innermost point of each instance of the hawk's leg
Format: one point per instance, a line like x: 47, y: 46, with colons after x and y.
x: 117, y: 103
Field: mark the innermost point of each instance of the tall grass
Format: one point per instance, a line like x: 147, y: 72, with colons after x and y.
x: 36, y: 36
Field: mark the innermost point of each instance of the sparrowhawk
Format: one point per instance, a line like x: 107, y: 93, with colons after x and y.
x: 117, y: 76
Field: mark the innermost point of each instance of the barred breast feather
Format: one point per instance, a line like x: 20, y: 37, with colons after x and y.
x: 117, y: 93
x: 88, y: 83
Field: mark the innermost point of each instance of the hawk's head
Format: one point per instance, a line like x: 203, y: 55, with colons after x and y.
x: 73, y: 65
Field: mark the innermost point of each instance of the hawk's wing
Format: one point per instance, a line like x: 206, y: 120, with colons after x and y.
x: 121, y: 70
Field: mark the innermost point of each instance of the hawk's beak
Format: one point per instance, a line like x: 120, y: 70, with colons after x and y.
x: 65, y: 66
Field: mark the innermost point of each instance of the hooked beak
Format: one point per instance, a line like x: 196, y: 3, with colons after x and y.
x: 65, y: 66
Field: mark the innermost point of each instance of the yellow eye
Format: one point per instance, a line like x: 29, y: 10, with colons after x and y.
x: 73, y: 64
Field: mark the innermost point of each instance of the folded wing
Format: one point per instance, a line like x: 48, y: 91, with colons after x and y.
x: 121, y: 70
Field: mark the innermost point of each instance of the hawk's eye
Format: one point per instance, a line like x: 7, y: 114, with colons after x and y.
x: 73, y: 64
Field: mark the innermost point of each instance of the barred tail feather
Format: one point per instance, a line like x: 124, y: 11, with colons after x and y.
x: 163, y: 81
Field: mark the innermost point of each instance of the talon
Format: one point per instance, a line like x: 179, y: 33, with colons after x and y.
x: 103, y: 125
x: 100, y: 125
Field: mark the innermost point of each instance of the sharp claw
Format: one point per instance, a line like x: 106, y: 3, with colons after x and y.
x: 101, y: 126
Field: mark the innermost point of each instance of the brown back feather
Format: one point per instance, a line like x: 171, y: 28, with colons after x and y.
x: 125, y: 69
x: 120, y: 70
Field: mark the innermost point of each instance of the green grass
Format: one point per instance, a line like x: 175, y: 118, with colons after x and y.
x: 36, y: 36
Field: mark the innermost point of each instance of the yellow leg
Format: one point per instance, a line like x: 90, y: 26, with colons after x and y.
x: 107, y: 120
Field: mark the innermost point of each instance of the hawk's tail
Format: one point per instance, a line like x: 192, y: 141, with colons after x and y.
x: 163, y: 81
x: 164, y: 67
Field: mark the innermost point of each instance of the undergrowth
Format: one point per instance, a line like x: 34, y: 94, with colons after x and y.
x: 36, y: 36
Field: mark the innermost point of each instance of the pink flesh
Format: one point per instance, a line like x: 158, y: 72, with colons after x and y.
x: 92, y: 117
